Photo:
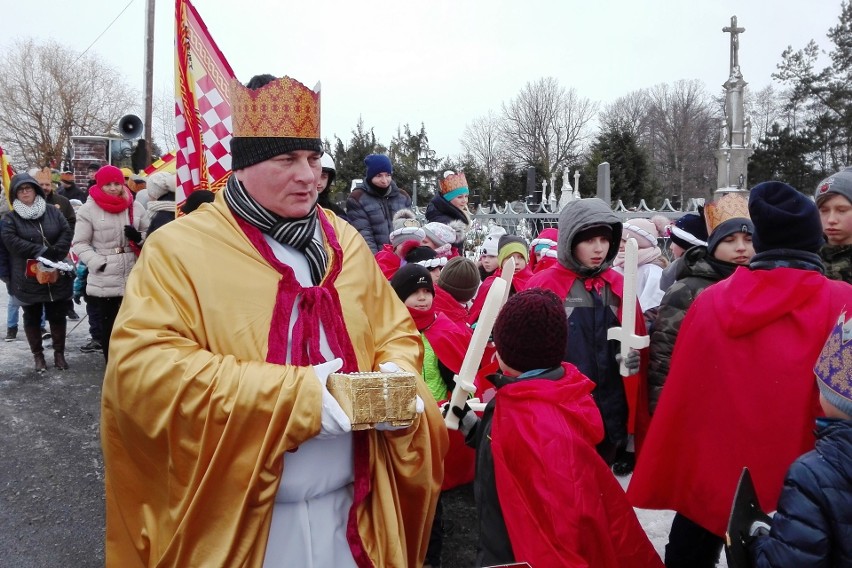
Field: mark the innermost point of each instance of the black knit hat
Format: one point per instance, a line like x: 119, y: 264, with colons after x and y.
x: 411, y: 278
x: 460, y: 278
x: 601, y: 230
x: 420, y: 253
x: 689, y: 231
x: 249, y: 150
x: 783, y: 218
x: 531, y: 330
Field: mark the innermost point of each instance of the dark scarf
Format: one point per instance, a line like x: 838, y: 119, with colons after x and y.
x: 297, y: 233
x: 787, y: 258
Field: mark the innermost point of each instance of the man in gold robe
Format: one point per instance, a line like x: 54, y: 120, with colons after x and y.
x: 221, y: 447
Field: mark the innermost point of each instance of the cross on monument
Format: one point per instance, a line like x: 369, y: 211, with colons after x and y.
x: 735, y: 42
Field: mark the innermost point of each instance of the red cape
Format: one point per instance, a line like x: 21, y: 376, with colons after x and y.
x: 449, y: 340
x: 444, y: 303
x: 388, y: 261
x: 561, y: 504
x: 740, y: 392
x: 559, y: 279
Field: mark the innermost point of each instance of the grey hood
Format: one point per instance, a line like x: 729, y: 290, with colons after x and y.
x: 581, y: 214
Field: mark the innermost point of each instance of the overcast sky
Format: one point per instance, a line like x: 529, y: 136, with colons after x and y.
x: 443, y: 62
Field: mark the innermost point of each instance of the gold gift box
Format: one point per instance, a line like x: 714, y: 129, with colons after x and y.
x: 372, y: 397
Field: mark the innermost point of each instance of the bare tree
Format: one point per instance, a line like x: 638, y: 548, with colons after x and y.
x: 164, y: 130
x: 483, y: 142
x: 630, y: 113
x: 764, y: 108
x: 682, y: 125
x: 50, y: 93
x: 547, y: 125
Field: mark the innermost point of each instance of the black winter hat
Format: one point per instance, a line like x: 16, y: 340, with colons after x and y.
x: 689, y: 231
x: 783, y: 218
x: 411, y: 278
x: 531, y: 330
x: 420, y: 254
x: 600, y: 230
x: 460, y: 278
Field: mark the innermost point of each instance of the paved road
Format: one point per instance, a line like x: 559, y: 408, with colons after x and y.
x: 51, y: 469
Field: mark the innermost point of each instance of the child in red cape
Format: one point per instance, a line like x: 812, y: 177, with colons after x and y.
x: 591, y: 291
x: 445, y: 343
x: 740, y: 391
x: 543, y: 494
x: 510, y: 246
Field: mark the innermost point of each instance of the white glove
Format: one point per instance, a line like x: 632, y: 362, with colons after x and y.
x: 334, y: 420
x: 389, y: 367
x: 419, y: 407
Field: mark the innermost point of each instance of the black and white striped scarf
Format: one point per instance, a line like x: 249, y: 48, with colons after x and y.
x: 297, y: 233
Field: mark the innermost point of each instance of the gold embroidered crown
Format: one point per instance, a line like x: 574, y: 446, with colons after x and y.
x: 729, y: 206
x: 834, y: 366
x: 283, y: 108
x: 453, y: 182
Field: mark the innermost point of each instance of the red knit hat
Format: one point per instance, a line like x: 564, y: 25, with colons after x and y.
x: 109, y: 174
x: 531, y: 331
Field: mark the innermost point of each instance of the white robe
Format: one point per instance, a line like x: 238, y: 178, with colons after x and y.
x: 311, y: 509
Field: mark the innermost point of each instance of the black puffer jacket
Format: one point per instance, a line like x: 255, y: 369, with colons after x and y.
x: 48, y: 236
x: 696, y: 271
x: 813, y: 525
x: 440, y: 210
x: 371, y: 212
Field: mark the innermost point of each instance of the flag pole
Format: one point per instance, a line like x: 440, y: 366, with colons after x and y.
x: 149, y: 79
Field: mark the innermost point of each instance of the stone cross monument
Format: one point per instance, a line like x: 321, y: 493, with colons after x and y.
x: 735, y: 130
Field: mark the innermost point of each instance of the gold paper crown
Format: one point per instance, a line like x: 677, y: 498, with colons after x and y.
x: 283, y: 108
x: 453, y: 182
x: 834, y: 366
x: 729, y: 206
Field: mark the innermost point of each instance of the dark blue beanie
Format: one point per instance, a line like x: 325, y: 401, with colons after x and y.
x: 783, y: 218
x: 377, y: 164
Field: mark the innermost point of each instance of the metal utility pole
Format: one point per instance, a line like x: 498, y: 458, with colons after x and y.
x: 149, y: 79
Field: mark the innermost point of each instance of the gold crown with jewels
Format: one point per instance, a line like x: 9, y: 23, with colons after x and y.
x: 729, y: 206
x: 283, y: 108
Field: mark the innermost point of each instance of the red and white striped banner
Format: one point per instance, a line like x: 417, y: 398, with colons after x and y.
x: 202, y: 106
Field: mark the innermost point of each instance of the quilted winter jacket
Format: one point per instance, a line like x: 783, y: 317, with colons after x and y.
x: 813, y: 525
x: 25, y: 239
x: 372, y: 213
x: 99, y: 241
x: 695, y: 274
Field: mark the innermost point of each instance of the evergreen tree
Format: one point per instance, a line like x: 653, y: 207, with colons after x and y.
x: 783, y: 155
x: 349, y: 160
x: 823, y: 97
x: 631, y: 177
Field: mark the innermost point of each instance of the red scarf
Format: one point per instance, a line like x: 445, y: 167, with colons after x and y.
x: 111, y: 203
x: 422, y: 318
x: 317, y: 304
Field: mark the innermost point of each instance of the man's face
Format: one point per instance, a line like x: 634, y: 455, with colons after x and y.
x: 285, y: 184
x: 836, y: 215
x: 47, y: 186
x: 382, y: 180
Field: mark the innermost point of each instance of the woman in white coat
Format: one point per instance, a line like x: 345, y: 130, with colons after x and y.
x: 107, y: 239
